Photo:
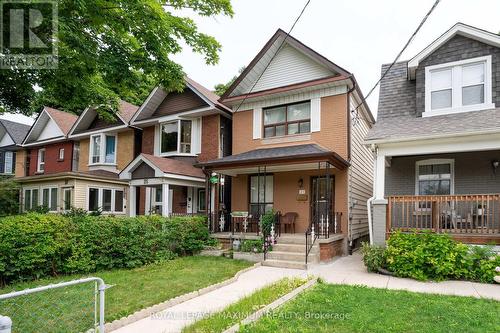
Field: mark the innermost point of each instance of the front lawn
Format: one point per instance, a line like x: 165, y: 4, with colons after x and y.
x: 132, y: 290
x: 337, y: 308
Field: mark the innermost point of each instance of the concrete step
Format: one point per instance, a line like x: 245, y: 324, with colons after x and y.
x: 285, y: 264
x: 288, y: 239
x: 298, y: 248
x: 289, y: 256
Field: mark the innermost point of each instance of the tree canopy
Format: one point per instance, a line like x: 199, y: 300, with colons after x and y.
x: 109, y: 50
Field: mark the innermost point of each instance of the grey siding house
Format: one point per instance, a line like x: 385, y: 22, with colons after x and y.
x: 437, y: 140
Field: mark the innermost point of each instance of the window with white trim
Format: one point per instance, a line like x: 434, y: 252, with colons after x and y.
x: 8, y: 162
x: 49, y: 198
x: 30, y: 199
x: 108, y: 200
x: 175, y: 137
x: 287, y: 119
x: 61, y: 154
x: 434, y: 177
x: 202, y: 204
x: 459, y: 86
x: 41, y: 160
x: 102, y: 149
x: 67, y: 199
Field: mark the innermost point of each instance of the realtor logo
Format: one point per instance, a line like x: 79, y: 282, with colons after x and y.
x: 28, y: 30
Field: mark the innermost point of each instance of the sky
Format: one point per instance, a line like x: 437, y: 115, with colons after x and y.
x: 358, y: 35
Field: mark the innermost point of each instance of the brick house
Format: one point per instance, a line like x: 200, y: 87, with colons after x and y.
x: 437, y: 140
x: 297, y: 149
x: 11, y: 137
x: 179, y: 129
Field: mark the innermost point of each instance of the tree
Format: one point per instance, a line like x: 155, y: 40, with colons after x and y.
x: 109, y: 50
x: 221, y: 88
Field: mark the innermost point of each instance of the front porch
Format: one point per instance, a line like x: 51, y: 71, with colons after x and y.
x: 453, y: 193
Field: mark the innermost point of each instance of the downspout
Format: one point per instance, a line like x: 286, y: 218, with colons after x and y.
x: 374, y: 150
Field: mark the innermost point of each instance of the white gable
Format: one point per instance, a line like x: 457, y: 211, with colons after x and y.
x: 51, y: 130
x: 290, y: 66
x: 6, y: 140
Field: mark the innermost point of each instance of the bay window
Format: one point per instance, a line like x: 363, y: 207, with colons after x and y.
x: 106, y: 199
x: 458, y: 87
x: 102, y: 149
x: 287, y: 119
x: 175, y: 137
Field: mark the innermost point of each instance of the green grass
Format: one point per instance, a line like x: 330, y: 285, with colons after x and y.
x: 133, y: 290
x: 238, y: 311
x: 362, y: 309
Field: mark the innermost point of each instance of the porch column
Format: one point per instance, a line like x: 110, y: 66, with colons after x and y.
x: 380, y: 176
x: 165, y: 192
x: 132, y: 200
x: 379, y: 216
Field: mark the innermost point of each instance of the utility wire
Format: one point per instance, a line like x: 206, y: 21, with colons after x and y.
x: 274, y: 55
x: 355, y: 111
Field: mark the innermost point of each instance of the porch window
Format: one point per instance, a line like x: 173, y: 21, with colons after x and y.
x: 202, y: 200
x: 171, y: 141
x: 30, y: 199
x: 261, y: 194
x: 67, y: 199
x: 109, y: 200
x: 458, y: 87
x: 434, y: 177
x: 49, y: 198
x: 103, y: 149
x: 287, y: 120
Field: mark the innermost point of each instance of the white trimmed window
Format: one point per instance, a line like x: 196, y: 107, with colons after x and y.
x: 41, y: 160
x: 434, y: 177
x: 61, y: 154
x: 202, y: 197
x: 459, y: 86
x: 287, y: 119
x: 8, y: 162
x: 49, y: 198
x: 30, y: 199
x: 67, y: 200
x: 176, y: 137
x: 102, y: 149
x: 108, y: 200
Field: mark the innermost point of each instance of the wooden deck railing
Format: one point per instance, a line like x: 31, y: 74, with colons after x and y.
x: 477, y: 214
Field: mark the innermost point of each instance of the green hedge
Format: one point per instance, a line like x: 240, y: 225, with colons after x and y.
x: 427, y: 255
x: 38, y: 245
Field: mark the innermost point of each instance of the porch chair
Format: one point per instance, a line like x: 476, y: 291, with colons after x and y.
x: 289, y: 219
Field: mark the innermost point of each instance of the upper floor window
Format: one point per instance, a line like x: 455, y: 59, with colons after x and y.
x: 460, y: 86
x: 61, y: 154
x: 176, y: 137
x: 103, y: 149
x: 287, y: 119
x: 41, y: 160
x: 8, y: 162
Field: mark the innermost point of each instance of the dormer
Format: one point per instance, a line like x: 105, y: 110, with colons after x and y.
x: 458, y: 72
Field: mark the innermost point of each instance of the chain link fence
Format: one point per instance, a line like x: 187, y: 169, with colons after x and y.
x: 74, y: 306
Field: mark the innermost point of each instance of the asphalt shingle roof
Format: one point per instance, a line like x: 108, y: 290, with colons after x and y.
x: 17, y: 131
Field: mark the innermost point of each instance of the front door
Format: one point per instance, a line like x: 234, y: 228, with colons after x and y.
x: 321, y: 194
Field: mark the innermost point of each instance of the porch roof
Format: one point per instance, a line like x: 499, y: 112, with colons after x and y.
x: 279, y: 155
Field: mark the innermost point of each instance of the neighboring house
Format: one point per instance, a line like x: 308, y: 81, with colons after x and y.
x: 179, y: 129
x: 437, y: 140
x: 295, y: 148
x: 11, y: 138
x: 58, y: 172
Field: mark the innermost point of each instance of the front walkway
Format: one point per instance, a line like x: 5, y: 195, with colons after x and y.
x: 173, y: 319
x: 351, y: 270
x: 345, y: 270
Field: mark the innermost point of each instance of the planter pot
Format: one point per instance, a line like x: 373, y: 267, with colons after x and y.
x: 249, y: 256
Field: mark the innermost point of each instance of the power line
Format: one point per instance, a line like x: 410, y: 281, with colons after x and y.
x: 355, y: 111
x: 274, y: 55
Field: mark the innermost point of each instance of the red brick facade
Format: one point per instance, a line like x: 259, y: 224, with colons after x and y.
x: 210, y: 137
x: 52, y: 162
x: 148, y: 140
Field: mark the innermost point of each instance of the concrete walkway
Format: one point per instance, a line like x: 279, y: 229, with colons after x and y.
x: 351, y: 270
x: 175, y: 318
x: 346, y: 270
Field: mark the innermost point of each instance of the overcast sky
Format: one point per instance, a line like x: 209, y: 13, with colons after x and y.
x: 358, y: 35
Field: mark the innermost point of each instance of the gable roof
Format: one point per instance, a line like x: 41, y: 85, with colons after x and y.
x: 205, y: 99
x: 276, y: 44
x: 16, y: 131
x: 60, y: 122
x: 89, y: 120
x: 458, y: 29
x: 163, y: 166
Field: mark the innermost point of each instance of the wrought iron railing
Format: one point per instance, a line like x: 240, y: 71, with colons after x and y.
x: 270, y: 235
x: 322, y: 227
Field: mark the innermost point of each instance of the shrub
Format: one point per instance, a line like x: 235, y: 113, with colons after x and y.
x: 37, y: 245
x: 373, y: 257
x: 426, y: 255
x: 9, y: 196
x: 252, y: 245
